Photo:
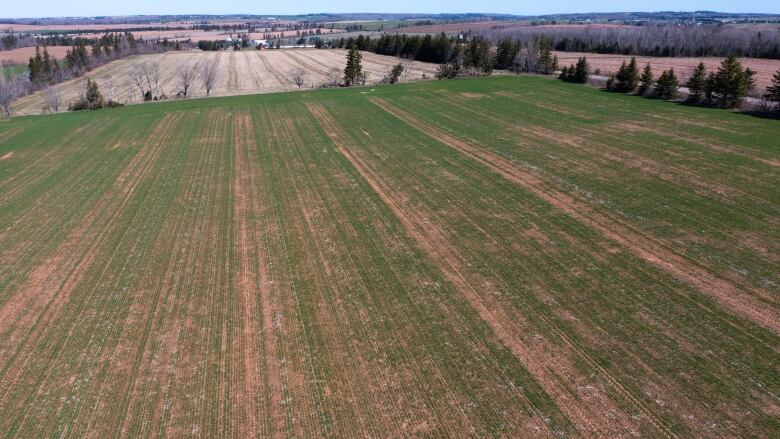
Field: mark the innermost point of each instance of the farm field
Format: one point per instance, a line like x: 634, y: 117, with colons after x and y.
x: 197, y: 34
x: 477, y: 26
x: 8, y: 71
x: 242, y: 72
x: 683, y: 67
x: 507, y: 256
x: 23, y: 54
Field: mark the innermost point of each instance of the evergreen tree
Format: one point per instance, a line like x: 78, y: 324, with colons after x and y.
x: 731, y: 83
x: 477, y: 55
x: 354, y: 68
x: 93, y: 95
x: 565, y: 73
x: 627, y: 77
x: 506, y: 51
x: 548, y: 63
x: 697, y: 85
x: 35, y: 65
x: 668, y: 85
x: 646, y: 81
x: 580, y: 74
x: 441, y: 48
x: 773, y: 92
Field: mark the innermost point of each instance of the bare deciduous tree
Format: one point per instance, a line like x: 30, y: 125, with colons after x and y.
x: 298, y: 76
x: 109, y: 88
x: 146, y: 77
x: 407, y: 64
x: 332, y: 78
x: 11, y: 89
x: 7, y: 95
x: 186, y: 76
x: 208, y: 74
x: 650, y: 39
x: 52, y: 98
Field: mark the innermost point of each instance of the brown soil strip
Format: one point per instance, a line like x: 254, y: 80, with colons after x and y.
x: 249, y: 284
x: 7, y: 156
x: 727, y: 294
x: 664, y: 171
x: 584, y: 401
x: 232, y: 82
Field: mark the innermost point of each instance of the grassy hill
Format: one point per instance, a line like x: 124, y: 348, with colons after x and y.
x: 505, y: 256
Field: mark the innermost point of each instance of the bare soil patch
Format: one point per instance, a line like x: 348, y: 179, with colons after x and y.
x: 22, y: 55
x: 683, y: 67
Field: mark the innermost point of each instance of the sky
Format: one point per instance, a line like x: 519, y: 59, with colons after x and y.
x: 60, y: 8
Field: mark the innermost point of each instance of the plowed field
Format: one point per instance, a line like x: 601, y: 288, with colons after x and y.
x: 242, y: 72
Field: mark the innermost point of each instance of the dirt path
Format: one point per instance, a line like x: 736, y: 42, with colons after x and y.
x: 724, y: 292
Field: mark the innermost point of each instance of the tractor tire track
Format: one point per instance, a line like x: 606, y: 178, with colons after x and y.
x: 647, y: 249
x: 541, y: 362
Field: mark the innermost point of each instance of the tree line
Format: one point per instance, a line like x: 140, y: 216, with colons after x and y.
x: 652, y: 40
x: 726, y: 87
x: 43, y: 70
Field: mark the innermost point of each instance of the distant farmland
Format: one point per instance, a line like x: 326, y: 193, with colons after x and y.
x: 508, y: 256
x: 239, y: 72
x: 683, y: 66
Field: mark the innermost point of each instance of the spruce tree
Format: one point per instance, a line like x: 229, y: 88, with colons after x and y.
x: 547, y: 61
x: 354, y: 68
x: 773, y: 92
x: 93, y: 95
x: 627, y: 77
x: 668, y: 85
x: 731, y: 83
x: 646, y: 81
x: 564, y: 73
x: 506, y: 50
x: 35, y: 66
x: 697, y: 84
x: 580, y: 75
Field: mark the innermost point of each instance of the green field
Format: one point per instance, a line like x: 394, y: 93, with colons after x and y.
x: 509, y: 256
x: 8, y: 71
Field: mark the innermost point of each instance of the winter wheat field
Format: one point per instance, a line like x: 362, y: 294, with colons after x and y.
x: 510, y: 256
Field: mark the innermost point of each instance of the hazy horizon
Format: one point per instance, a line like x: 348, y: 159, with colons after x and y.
x: 90, y: 8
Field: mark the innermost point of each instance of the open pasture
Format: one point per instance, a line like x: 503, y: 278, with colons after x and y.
x: 238, y: 72
x: 508, y: 256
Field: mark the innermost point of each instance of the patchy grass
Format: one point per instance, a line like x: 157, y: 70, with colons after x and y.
x: 506, y: 256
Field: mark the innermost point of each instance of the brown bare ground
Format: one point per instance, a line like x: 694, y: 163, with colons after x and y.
x: 683, y: 67
x: 243, y: 72
x: 22, y: 55
x: 589, y: 406
x: 728, y: 295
